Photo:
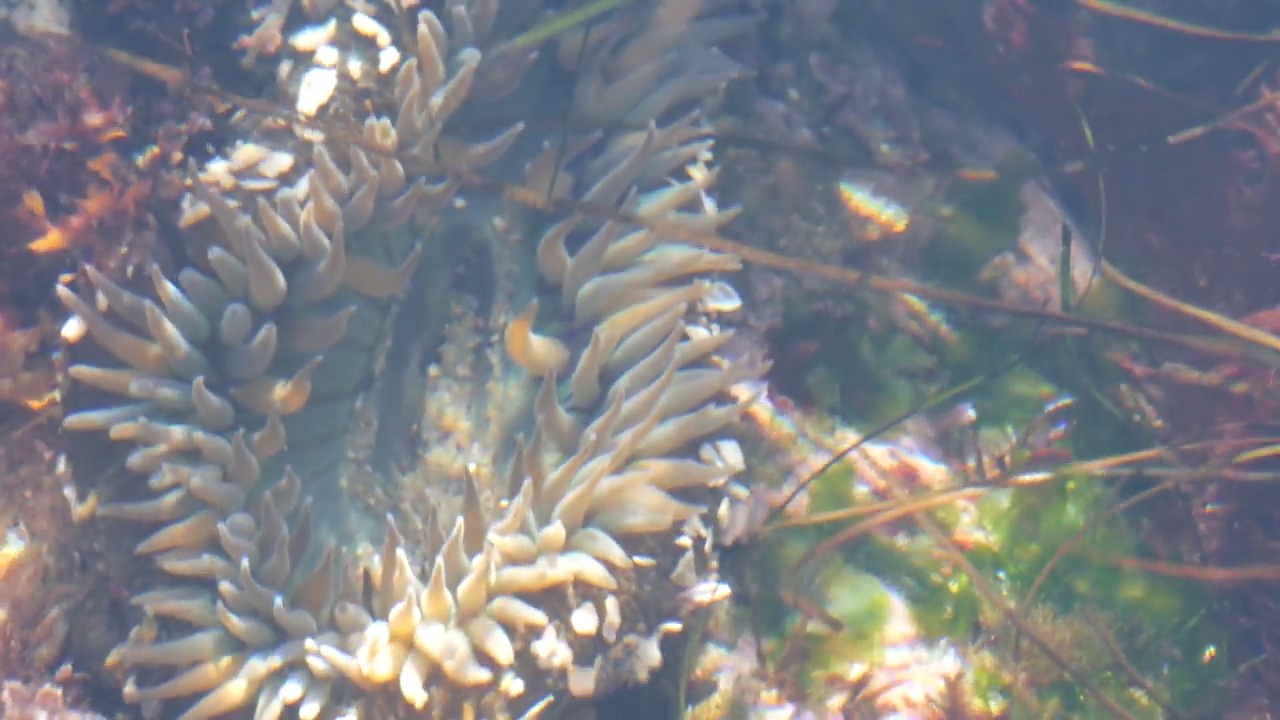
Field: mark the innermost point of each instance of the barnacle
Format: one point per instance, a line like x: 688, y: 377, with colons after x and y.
x: 242, y: 386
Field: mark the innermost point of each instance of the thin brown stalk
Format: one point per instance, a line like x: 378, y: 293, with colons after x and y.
x: 1203, y: 573
x: 1135, y: 677
x: 907, y: 506
x: 851, y: 513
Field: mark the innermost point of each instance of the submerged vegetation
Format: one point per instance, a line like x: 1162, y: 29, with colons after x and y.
x: 961, y: 440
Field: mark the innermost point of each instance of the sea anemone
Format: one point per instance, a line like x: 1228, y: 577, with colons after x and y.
x: 245, y: 377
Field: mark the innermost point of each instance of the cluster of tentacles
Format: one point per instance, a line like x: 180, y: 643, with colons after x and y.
x: 239, y: 376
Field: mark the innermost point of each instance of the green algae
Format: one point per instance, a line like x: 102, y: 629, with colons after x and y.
x: 1097, y: 614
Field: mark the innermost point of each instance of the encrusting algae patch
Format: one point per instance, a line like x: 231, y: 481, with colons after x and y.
x: 243, y: 381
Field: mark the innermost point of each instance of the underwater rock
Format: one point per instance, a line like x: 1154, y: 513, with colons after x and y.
x: 46, y: 702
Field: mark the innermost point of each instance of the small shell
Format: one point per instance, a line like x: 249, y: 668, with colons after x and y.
x: 310, y: 38
x: 545, y: 645
x: 73, y: 329
x: 246, y: 155
x: 193, y: 212
x: 327, y: 56
x: 371, y: 28
x: 388, y: 58
x: 511, y: 685
x: 581, y: 681
x: 355, y: 68
x: 318, y: 86
x: 721, y: 298
x: 585, y: 621
x: 219, y: 172
x: 260, y: 184
x: 612, y: 619
x: 707, y: 592
x: 725, y: 453
x: 276, y: 164
x: 284, y: 70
